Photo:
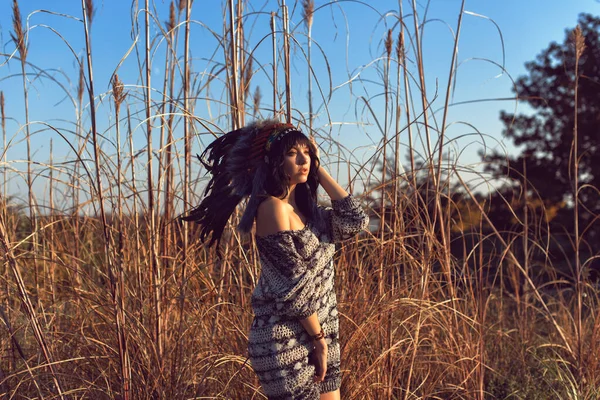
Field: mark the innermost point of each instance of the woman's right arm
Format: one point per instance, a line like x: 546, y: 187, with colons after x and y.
x: 313, y: 327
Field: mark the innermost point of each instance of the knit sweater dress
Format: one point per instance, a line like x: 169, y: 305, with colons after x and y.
x: 297, y: 280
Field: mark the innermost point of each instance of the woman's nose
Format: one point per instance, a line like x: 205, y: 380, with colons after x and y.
x: 302, y: 159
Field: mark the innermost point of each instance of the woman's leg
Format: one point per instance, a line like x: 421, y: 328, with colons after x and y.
x: 335, y: 395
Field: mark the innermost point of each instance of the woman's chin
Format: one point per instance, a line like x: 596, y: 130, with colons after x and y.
x: 300, y: 179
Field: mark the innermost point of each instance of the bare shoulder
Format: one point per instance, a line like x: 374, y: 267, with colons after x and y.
x: 273, y: 216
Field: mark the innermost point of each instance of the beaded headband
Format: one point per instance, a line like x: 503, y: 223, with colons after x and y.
x: 278, y: 131
x: 266, y: 136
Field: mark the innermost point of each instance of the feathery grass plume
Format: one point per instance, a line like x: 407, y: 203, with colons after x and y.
x: 247, y: 77
x: 400, y: 47
x: 19, y: 35
x: 182, y: 5
x: 119, y: 93
x: 389, y: 42
x: 89, y: 10
x: 171, y: 22
x: 2, y: 115
x: 309, y: 10
x: 578, y: 41
x: 81, y: 82
x: 256, y: 101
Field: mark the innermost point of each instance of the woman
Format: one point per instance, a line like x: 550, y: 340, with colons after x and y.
x: 293, y: 341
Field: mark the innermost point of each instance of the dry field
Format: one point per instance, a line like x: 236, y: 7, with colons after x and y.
x: 105, y: 293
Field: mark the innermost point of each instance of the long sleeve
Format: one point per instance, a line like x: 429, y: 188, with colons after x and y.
x: 294, y: 274
x: 345, y: 218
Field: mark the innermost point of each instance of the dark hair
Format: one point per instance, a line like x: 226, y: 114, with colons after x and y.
x: 241, y: 166
x: 277, y: 184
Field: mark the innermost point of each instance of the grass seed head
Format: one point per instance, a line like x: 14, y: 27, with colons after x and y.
x: 81, y: 83
x: 389, y: 42
x: 89, y: 11
x: 579, y: 41
x: 248, y: 76
x: 2, y: 115
x: 309, y: 10
x: 171, y: 21
x: 118, y: 91
x: 256, y: 100
x: 400, y: 46
x: 19, y: 35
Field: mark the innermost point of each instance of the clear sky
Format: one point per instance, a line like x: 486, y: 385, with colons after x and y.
x: 349, y: 33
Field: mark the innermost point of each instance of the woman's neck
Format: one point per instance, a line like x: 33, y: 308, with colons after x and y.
x: 291, y: 196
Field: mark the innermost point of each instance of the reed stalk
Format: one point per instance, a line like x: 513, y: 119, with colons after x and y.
x: 170, y: 172
x: 274, y: 46
x: 165, y: 163
x: 4, y: 215
x: 524, y: 312
x: 160, y: 183
x: 407, y: 99
x: 76, y: 181
x: 4, y: 159
x: 309, y: 11
x: 382, y: 267
x: 234, y: 68
x: 397, y: 130
x: 245, y: 73
x: 20, y: 42
x: 52, y: 243
x: 151, y: 217
x: 481, y: 313
x: 579, y: 44
x: 119, y: 96
x: 187, y: 124
x: 137, y: 262
x: 287, y: 66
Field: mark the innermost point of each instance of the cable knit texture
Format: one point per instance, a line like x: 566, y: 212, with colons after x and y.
x: 297, y: 280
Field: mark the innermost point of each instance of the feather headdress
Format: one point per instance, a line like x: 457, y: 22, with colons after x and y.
x: 238, y: 163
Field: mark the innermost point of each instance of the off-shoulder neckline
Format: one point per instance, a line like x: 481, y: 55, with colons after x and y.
x: 285, y: 231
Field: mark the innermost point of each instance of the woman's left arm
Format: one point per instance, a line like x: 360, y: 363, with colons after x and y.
x: 347, y: 217
x: 333, y: 189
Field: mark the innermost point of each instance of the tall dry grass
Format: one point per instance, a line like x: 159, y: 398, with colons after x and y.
x: 435, y: 301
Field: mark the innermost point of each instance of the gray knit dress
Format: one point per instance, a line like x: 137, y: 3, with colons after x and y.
x: 297, y: 280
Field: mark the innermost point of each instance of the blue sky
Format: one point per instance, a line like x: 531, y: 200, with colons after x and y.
x: 349, y: 33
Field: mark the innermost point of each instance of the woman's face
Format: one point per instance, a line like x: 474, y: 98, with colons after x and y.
x: 297, y: 163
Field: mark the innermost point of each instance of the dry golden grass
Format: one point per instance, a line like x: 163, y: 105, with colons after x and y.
x: 123, y: 302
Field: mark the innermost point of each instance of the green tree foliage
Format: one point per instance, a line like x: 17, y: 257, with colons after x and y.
x: 545, y: 131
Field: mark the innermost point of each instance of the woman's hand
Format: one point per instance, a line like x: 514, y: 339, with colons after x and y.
x: 319, y: 358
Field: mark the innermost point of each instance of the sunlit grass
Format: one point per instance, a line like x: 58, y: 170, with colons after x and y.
x: 106, y: 294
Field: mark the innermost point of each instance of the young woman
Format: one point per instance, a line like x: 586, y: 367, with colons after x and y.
x: 293, y: 341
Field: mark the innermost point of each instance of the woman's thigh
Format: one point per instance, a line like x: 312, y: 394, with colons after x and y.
x: 335, y: 395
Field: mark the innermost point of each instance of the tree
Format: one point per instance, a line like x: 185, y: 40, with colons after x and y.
x: 546, y: 134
